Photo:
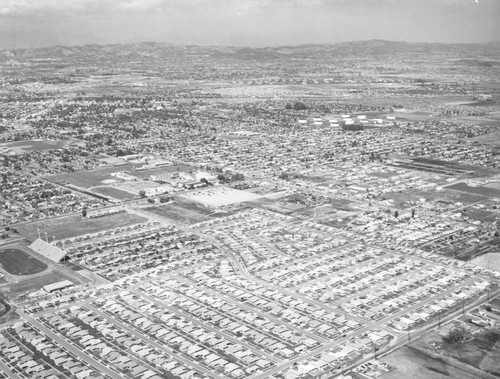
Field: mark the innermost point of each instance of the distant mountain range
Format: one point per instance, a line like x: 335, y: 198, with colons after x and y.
x: 155, y: 50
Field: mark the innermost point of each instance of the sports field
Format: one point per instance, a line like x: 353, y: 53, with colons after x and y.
x: 21, y: 147
x: 91, y: 178
x: 76, y: 225
x: 18, y: 262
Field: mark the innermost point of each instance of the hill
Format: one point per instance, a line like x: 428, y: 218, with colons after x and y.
x: 159, y: 51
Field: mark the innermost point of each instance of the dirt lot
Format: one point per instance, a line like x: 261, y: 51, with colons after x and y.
x: 182, y: 212
x: 490, y: 261
x: 18, y: 262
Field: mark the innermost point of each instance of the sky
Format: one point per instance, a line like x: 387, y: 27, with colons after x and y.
x: 39, y: 23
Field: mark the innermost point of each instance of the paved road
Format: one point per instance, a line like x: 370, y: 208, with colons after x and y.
x: 7, y: 370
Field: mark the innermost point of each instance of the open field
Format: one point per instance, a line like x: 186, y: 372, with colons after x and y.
x: 409, y: 363
x: 490, y: 261
x: 470, y: 356
x: 76, y: 225
x: 18, y: 262
x: 187, y: 213
x: 113, y: 192
x: 92, y: 178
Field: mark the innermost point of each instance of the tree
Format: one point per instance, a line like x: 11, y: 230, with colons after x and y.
x: 84, y: 212
x: 142, y: 194
x: 457, y: 334
x: 238, y: 176
x: 299, y: 106
x: 288, y: 106
x: 396, y: 214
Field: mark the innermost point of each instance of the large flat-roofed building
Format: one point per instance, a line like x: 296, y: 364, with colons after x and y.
x: 58, y: 286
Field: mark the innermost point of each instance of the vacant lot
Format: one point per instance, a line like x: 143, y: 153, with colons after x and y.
x: 476, y: 353
x: 409, y: 363
x: 184, y: 212
x: 18, y: 262
x: 76, y: 225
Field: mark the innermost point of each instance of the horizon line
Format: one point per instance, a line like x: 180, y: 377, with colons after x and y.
x: 249, y: 46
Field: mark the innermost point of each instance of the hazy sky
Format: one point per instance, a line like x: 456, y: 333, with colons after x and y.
x: 34, y: 23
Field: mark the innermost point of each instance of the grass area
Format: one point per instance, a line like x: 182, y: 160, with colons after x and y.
x: 33, y: 145
x: 479, y: 190
x: 75, y: 225
x: 91, y: 178
x: 115, y: 193
x: 18, y: 262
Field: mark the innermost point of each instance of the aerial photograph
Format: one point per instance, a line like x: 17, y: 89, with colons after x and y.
x: 261, y: 189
